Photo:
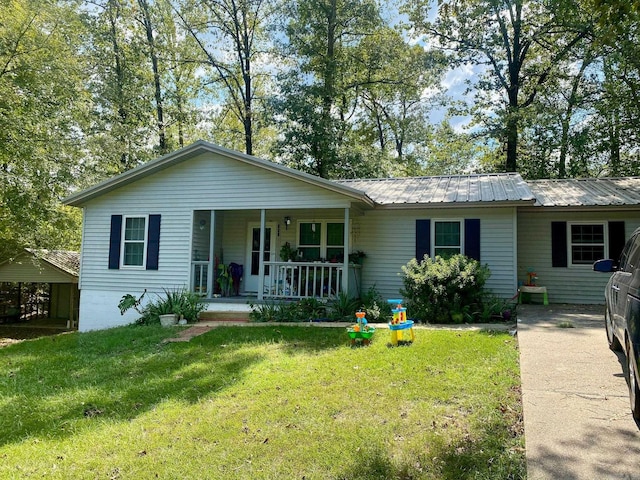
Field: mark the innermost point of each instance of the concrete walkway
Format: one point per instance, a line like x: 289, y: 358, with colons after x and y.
x: 577, y: 420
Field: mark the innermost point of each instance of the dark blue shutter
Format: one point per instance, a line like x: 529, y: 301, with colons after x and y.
x: 559, y: 244
x: 153, y: 242
x: 423, y: 239
x: 114, y: 242
x: 472, y: 238
x: 616, y: 240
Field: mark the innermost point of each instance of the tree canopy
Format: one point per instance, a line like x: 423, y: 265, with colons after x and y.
x: 337, y: 88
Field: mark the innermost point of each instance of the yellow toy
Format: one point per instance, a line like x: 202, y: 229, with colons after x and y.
x: 401, y: 328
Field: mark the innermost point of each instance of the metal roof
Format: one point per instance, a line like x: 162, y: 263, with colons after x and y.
x: 585, y: 192
x: 64, y: 260
x: 453, y: 189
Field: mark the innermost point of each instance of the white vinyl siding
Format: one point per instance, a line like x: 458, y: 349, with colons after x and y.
x: 236, y: 191
x: 388, y: 237
x: 575, y: 283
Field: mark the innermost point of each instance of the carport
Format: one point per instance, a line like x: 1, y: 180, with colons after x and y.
x: 40, y: 285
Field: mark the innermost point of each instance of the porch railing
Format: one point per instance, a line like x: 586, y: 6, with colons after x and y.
x: 284, y: 279
x: 302, y: 279
x: 200, y: 277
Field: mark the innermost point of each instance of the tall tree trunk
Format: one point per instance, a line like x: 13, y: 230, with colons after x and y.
x: 328, y: 95
x: 566, y: 119
x: 114, y: 14
x: 512, y: 139
x: 148, y: 26
x: 248, y: 94
x: 614, y: 145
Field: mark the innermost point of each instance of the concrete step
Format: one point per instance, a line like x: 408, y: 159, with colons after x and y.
x: 223, y: 316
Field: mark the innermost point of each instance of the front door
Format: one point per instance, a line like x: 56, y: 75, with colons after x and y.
x: 253, y: 254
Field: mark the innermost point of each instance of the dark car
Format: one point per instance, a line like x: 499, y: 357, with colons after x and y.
x: 622, y: 313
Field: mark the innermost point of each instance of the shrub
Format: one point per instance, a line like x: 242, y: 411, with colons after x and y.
x: 376, y: 308
x: 440, y: 290
x: 343, y: 307
x: 181, y: 302
x: 304, y: 310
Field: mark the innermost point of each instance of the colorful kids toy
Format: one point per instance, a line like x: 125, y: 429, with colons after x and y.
x: 361, y: 332
x: 401, y: 328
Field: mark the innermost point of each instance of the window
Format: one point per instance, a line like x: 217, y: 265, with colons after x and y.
x: 134, y: 241
x: 335, y: 241
x: 447, y: 238
x: 318, y: 240
x: 587, y: 243
x: 310, y: 240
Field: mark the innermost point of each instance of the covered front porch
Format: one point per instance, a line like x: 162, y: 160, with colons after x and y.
x: 274, y: 253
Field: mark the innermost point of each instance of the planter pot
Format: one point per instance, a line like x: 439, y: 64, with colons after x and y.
x: 168, y: 320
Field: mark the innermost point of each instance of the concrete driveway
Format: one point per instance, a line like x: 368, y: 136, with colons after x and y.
x: 577, y: 420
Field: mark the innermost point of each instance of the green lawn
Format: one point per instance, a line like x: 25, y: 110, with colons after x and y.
x: 273, y: 402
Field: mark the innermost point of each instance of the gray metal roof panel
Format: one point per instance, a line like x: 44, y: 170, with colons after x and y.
x: 452, y: 189
x: 573, y: 192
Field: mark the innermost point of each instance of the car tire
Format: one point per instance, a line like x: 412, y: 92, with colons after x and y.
x: 614, y: 343
x: 632, y: 380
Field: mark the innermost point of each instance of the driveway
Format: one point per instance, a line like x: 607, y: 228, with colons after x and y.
x: 577, y: 420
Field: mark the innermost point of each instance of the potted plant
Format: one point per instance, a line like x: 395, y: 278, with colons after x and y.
x: 224, y: 279
x: 179, y: 303
x: 357, y: 257
x: 288, y: 253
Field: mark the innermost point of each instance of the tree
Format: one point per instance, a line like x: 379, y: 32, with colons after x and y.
x: 230, y: 34
x: 521, y: 44
x: 152, y: 52
x: 43, y: 110
x: 122, y: 89
x: 320, y: 91
x: 398, y: 84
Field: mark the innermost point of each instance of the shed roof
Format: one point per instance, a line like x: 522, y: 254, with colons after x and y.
x: 65, y: 260
x: 583, y: 192
x: 453, y: 189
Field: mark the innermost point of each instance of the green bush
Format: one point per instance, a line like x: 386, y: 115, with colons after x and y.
x: 305, y: 310
x: 343, y: 307
x: 376, y: 308
x: 439, y: 290
x: 340, y: 308
x: 181, y: 302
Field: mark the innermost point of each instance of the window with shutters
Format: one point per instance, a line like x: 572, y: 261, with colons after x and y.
x: 134, y: 242
x: 587, y: 242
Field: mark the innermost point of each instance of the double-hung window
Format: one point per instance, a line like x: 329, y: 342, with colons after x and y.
x: 134, y: 241
x: 310, y: 240
x: 321, y: 240
x: 335, y: 242
x: 587, y: 243
x: 447, y: 238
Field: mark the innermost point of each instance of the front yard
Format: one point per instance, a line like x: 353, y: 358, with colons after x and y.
x: 261, y: 402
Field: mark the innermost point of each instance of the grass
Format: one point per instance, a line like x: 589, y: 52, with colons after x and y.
x: 260, y: 403
x: 566, y: 324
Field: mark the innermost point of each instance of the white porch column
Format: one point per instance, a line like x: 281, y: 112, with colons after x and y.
x: 212, y: 265
x: 347, y: 248
x: 263, y: 222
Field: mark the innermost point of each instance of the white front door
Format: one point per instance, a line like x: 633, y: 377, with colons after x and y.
x: 253, y: 254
